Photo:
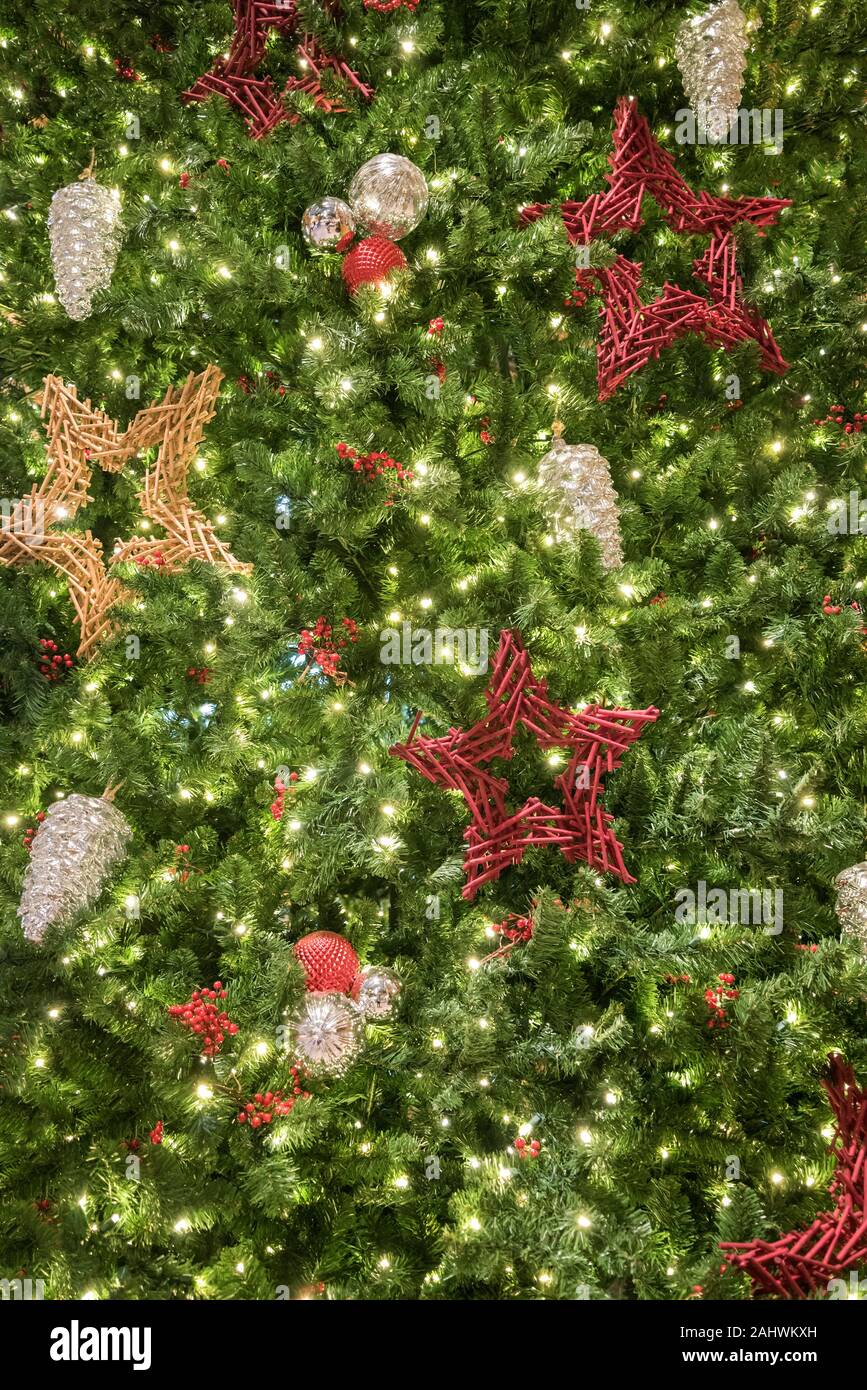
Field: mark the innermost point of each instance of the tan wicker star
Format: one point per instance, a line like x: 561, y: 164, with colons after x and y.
x: 78, y: 436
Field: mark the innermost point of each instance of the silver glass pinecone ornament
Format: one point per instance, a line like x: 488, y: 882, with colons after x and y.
x: 327, y: 1032
x: 85, y: 228
x: 577, y: 483
x: 711, y: 50
x: 851, y: 887
x: 80, y: 840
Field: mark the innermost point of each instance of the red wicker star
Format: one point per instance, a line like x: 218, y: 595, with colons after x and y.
x: 233, y: 77
x: 803, y: 1262
x: 496, y: 837
x: 632, y: 332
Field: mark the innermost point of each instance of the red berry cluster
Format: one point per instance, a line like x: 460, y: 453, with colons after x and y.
x: 714, y: 997
x: 838, y: 417
x: 515, y: 928
x: 808, y: 946
x: 202, y: 1016
x: 832, y: 609
x: 200, y: 674
x: 278, y: 805
x: 184, y: 180
x: 437, y: 365
x: 373, y: 465
x: 263, y: 1107
x: 160, y: 45
x: 734, y: 405
x: 585, y: 285
x: 53, y: 663
x: 677, y: 979
x: 156, y: 558
x: 184, y: 867
x: 435, y: 327
x: 525, y: 1150
x: 661, y: 597
x: 125, y: 70
x: 247, y: 383
x: 324, y: 648
x: 484, y: 433
x: 156, y: 1134
x: 31, y: 831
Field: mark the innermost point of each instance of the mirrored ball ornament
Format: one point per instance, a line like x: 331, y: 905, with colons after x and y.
x: 389, y: 196
x: 328, y: 1033
x: 375, y: 990
x: 328, y: 225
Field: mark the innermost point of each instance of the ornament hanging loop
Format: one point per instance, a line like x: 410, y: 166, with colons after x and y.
x: 88, y: 172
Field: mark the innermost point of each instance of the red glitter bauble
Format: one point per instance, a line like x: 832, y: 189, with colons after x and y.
x: 328, y: 960
x: 371, y: 261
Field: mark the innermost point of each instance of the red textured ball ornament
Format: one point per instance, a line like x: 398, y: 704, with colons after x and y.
x: 328, y: 961
x: 371, y: 261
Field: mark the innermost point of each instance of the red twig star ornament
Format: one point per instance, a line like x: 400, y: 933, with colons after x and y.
x: 234, y: 76
x: 632, y: 332
x: 803, y: 1262
x: 496, y: 837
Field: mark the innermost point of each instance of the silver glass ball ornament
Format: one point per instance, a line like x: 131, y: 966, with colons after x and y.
x: 328, y: 1033
x: 374, y: 990
x: 389, y: 196
x: 328, y: 225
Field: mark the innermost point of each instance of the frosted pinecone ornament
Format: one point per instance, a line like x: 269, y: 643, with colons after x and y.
x: 72, y: 854
x: 576, y: 482
x: 85, y: 229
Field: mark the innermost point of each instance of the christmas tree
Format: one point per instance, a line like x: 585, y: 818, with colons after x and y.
x: 442, y: 904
